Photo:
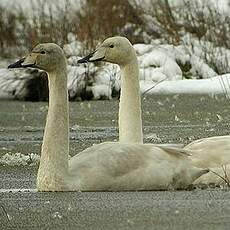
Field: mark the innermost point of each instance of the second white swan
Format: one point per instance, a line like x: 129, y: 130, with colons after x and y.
x: 211, y: 152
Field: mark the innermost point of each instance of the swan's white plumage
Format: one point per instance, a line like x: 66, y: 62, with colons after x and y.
x: 118, y: 50
x: 206, y: 153
x: 120, y: 166
x: 107, y: 166
x: 213, y: 153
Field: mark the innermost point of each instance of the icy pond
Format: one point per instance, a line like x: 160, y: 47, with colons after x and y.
x: 166, y: 119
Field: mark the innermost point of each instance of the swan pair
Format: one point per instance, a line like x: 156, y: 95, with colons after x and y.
x: 213, y: 152
x: 125, y: 165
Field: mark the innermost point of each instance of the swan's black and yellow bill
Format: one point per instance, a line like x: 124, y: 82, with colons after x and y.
x: 19, y: 64
x: 92, y: 57
x: 85, y: 59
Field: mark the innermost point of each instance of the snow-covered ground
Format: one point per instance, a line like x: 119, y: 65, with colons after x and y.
x: 222, y: 5
x: 212, y: 86
x: 12, y: 83
x: 191, y: 67
x: 28, y: 4
x: 163, y: 69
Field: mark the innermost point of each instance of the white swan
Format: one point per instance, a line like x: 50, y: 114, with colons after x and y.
x: 209, y: 152
x: 119, y: 50
x: 107, y: 166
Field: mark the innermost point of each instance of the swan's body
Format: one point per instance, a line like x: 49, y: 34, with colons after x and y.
x: 117, y: 167
x: 107, y: 166
x: 213, y: 153
x: 210, y: 152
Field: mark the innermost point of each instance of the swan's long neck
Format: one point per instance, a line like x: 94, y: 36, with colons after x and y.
x: 55, y: 148
x: 130, y: 122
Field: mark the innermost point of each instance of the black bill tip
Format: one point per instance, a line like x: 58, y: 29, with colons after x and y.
x: 17, y: 64
x: 86, y: 59
x: 83, y: 60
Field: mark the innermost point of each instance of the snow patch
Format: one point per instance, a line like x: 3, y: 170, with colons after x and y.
x: 162, y: 63
x: 18, y: 159
x: 211, y: 86
x: 100, y: 91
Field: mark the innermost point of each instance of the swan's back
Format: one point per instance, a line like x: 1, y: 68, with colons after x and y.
x: 210, y: 152
x: 116, y: 166
x: 213, y: 153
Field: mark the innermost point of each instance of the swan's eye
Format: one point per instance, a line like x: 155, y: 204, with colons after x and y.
x: 111, y: 46
x: 43, y: 52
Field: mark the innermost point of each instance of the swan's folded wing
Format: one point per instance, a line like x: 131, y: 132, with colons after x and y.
x: 122, y: 166
x: 171, y: 145
x: 120, y: 159
x: 111, y: 159
x: 176, y: 151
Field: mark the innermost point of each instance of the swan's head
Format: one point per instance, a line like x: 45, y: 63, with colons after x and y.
x: 46, y: 56
x: 117, y: 50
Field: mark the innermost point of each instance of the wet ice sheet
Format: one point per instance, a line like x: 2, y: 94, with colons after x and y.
x: 165, y: 119
x: 116, y: 210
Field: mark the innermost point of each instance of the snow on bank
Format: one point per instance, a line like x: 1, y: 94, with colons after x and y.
x: 162, y: 63
x: 30, y: 6
x: 18, y: 159
x: 222, y: 6
x: 13, y: 83
x: 10, y: 82
x: 211, y: 86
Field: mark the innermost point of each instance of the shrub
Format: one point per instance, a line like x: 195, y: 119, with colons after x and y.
x: 99, y: 19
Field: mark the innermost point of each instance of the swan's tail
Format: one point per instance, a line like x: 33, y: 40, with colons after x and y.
x: 198, y: 173
x: 178, y: 152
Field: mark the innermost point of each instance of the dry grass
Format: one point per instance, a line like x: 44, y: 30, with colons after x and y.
x: 48, y: 23
x: 52, y: 23
x: 225, y: 177
x: 100, y: 19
